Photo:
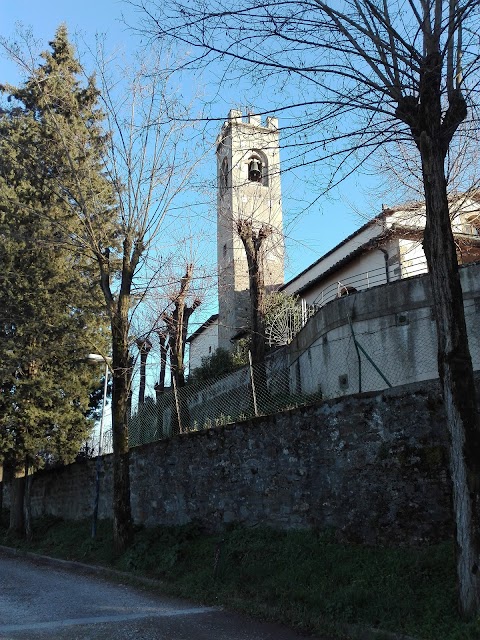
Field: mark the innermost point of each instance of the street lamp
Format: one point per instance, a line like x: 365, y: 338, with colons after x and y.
x: 95, y: 358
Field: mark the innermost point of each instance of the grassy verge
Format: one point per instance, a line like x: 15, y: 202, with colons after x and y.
x: 300, y: 578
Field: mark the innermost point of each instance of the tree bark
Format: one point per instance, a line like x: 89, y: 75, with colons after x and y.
x: 17, y: 493
x: 456, y: 376
x: 7, y: 480
x: 253, y: 245
x: 162, y: 338
x: 177, y: 326
x: 27, y: 503
x: 432, y: 129
x: 144, y: 345
x: 160, y: 386
x: 122, y: 517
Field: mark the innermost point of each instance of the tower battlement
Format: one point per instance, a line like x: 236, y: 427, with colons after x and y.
x: 235, y: 116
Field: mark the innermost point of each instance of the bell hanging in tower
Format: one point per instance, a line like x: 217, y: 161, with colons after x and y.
x: 255, y: 171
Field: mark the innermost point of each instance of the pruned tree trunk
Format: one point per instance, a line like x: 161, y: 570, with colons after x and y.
x: 162, y: 338
x: 121, y: 364
x: 160, y: 386
x: 144, y: 345
x: 432, y: 133
x: 253, y: 244
x: 457, y: 380
x: 17, y: 494
x: 177, y: 326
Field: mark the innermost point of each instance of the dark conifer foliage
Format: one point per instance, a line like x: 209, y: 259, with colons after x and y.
x: 51, y: 303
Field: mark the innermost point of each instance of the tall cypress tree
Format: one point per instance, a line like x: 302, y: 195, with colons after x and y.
x: 51, y: 148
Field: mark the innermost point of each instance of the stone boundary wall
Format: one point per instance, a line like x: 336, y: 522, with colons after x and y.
x: 372, y: 466
x: 394, y: 325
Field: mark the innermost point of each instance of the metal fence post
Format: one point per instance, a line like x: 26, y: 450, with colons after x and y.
x: 358, y: 355
x: 177, y: 405
x: 255, y: 407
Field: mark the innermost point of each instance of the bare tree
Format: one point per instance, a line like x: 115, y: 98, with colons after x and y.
x: 148, y: 170
x: 147, y: 167
x: 368, y: 73
x: 175, y: 292
x: 253, y: 242
x: 177, y: 321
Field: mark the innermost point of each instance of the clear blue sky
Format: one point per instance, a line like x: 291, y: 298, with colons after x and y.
x: 309, y: 235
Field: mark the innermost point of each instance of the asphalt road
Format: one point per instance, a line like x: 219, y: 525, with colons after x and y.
x: 40, y: 601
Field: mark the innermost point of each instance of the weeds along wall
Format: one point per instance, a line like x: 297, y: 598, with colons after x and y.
x: 372, y: 467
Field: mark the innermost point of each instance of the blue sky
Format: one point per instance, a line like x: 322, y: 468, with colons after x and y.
x: 309, y: 234
x: 310, y: 231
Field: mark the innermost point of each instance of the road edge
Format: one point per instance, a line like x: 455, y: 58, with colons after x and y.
x: 355, y: 632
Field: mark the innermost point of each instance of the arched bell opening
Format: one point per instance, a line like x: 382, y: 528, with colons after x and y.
x: 257, y: 169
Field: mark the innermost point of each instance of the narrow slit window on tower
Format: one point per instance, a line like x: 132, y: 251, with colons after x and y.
x: 224, y: 250
x: 224, y: 176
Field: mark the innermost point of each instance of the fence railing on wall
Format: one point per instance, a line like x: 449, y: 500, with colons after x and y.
x: 355, y: 357
x: 371, y: 278
x: 258, y: 389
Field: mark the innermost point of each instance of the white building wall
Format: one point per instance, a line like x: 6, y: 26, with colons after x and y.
x: 316, y: 270
x: 367, y: 270
x: 413, y: 259
x: 204, y: 345
x: 389, y: 339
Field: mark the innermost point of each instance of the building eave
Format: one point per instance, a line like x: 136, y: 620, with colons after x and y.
x: 367, y: 246
x: 352, y: 236
x: 395, y: 231
x: 202, y: 327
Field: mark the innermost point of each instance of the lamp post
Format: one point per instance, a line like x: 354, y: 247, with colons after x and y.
x: 95, y: 358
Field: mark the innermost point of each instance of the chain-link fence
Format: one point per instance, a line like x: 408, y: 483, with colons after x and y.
x: 351, y: 358
x: 252, y: 390
x: 357, y: 349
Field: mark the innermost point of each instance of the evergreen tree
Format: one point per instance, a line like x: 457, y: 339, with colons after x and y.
x: 51, y: 314
x: 110, y: 223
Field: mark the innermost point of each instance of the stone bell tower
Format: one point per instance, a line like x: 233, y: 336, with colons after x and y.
x: 248, y: 179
